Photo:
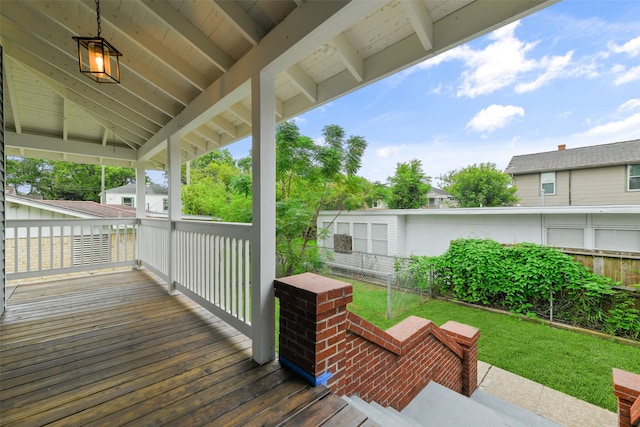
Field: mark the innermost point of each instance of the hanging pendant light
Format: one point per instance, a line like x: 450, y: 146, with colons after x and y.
x: 98, y: 59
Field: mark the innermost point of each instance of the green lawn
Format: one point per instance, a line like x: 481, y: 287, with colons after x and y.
x: 573, y: 363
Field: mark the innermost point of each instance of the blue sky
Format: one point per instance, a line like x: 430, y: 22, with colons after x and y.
x: 569, y: 74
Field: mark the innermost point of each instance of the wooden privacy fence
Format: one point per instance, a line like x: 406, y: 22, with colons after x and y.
x: 623, y: 267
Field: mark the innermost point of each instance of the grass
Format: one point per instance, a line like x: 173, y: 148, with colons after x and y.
x: 573, y: 363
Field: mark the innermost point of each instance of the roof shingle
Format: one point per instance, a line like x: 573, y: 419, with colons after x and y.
x: 618, y: 153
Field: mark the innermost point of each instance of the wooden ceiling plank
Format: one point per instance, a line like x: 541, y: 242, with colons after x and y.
x: 420, y: 21
x: 11, y: 89
x: 302, y: 81
x: 241, y: 21
x: 147, y: 42
x: 191, y: 33
x: 349, y: 56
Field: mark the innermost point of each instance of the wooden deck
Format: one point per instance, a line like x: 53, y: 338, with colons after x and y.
x: 116, y: 349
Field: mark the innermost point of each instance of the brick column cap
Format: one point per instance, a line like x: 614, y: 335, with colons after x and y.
x: 311, y: 286
x: 626, y: 384
x: 461, y: 333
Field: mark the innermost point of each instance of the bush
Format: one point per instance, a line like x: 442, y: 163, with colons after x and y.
x: 526, y: 278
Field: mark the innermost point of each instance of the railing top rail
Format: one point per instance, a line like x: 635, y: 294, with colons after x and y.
x: 226, y: 229
x: 68, y: 222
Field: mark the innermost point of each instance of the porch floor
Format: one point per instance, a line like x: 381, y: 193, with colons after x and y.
x: 116, y: 349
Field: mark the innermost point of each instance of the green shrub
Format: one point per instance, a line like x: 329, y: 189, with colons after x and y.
x: 526, y: 278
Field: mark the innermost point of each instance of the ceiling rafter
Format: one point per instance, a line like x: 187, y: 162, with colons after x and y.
x: 421, y: 22
x: 104, y: 114
x: 210, y: 134
x: 128, y: 62
x: 143, y: 39
x: 13, y: 97
x: 225, y: 126
x: 40, y: 55
x: 241, y: 21
x: 65, y: 118
x: 242, y: 112
x: 191, y: 33
x: 349, y: 57
x: 303, y: 82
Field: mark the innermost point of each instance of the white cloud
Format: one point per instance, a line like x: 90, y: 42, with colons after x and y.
x: 630, y: 75
x: 631, y: 123
x: 631, y: 48
x: 630, y: 105
x: 553, y: 66
x: 494, y: 117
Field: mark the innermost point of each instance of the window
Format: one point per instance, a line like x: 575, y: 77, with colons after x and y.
x: 548, y: 183
x: 379, y: 239
x: 634, y: 177
x: 328, y: 242
x: 360, y: 237
x: 128, y: 201
x: 165, y: 205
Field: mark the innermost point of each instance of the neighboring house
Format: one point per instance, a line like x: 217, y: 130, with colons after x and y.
x: 20, y: 207
x: 439, y: 198
x: 156, y: 197
x: 607, y: 174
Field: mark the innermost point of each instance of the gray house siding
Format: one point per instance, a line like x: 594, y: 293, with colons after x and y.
x: 582, y: 187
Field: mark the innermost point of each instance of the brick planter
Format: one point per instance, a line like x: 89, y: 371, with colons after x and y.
x: 626, y: 387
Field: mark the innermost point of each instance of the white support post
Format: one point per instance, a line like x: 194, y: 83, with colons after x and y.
x: 175, y: 206
x: 141, y: 212
x: 263, y: 251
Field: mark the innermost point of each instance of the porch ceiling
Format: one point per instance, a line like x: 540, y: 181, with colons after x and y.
x: 187, y: 65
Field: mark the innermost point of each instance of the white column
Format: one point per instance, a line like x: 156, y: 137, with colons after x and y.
x: 141, y: 187
x: 263, y: 251
x: 175, y: 206
x: 141, y: 212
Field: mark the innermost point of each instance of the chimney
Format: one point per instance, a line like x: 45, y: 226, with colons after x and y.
x: 562, y: 147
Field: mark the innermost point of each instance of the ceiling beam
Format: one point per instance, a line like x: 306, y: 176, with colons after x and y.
x: 300, y: 79
x: 210, y: 134
x: 191, y: 33
x: 420, y: 21
x: 13, y: 98
x: 241, y: 21
x: 135, y: 34
x: 349, y: 57
x: 81, y: 148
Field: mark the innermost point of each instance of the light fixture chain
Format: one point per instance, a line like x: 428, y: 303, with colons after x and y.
x: 98, y: 17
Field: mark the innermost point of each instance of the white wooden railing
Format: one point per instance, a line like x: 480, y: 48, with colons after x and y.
x: 43, y: 247
x: 154, y: 240
x: 212, y: 264
x: 212, y: 261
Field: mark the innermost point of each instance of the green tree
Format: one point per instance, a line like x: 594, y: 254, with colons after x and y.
x: 311, y: 177
x: 409, y: 186
x: 480, y: 185
x: 56, y: 180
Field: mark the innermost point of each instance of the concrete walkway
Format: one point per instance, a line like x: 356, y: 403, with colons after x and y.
x: 551, y: 404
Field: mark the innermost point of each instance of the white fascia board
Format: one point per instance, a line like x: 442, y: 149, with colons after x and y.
x: 45, y: 207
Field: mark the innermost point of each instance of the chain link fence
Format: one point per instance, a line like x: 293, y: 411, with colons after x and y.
x: 387, y: 292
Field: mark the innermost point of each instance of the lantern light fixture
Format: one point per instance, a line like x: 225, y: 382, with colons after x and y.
x: 98, y: 59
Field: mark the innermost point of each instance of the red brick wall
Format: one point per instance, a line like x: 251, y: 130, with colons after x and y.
x: 626, y: 387
x: 328, y: 345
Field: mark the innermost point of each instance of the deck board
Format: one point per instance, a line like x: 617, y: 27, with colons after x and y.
x: 117, y: 349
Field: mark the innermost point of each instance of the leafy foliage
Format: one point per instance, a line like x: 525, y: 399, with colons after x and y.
x: 409, y: 186
x: 480, y: 185
x: 527, y: 278
x: 55, y: 180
